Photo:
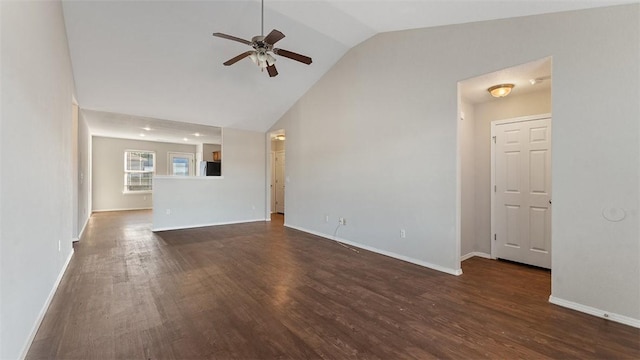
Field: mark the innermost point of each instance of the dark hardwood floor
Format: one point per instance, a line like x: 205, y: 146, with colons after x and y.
x: 262, y: 291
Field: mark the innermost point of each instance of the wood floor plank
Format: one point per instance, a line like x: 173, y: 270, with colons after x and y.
x: 262, y: 291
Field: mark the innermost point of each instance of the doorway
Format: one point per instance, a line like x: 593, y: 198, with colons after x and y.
x: 278, y: 172
x: 279, y: 164
x: 477, y: 109
x: 181, y: 164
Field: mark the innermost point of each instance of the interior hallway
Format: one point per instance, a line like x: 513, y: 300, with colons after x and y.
x: 259, y: 290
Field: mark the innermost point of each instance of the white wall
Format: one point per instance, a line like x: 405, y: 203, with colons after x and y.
x: 535, y: 103
x: 36, y: 180
x: 405, y: 96
x: 237, y: 196
x: 108, y: 171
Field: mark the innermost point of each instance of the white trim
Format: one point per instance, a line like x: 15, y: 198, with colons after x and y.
x: 205, y: 225
x: 381, y: 252
x: 123, y: 209
x: 177, y: 177
x: 459, y: 204
x: 521, y: 119
x: 45, y: 307
x: 86, y: 221
x: 475, y: 253
x: 595, y: 312
x: 141, y: 192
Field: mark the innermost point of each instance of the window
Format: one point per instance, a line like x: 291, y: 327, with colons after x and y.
x: 139, y: 167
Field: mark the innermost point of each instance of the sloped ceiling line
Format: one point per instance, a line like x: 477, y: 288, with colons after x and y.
x: 158, y: 59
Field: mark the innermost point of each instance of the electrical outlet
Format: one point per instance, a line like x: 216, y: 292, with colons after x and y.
x: 403, y: 233
x: 168, y: 211
x: 342, y: 221
x: 326, y: 218
x: 144, y: 197
x: 59, y: 246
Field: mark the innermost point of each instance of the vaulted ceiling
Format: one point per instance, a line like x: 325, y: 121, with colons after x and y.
x: 158, y: 59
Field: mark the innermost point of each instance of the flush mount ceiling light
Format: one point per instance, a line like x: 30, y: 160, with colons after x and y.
x: 279, y: 137
x: 501, y: 90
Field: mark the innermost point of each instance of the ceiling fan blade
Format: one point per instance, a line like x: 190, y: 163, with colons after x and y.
x: 291, y: 55
x: 273, y: 37
x: 237, y: 58
x: 229, y: 37
x: 272, y: 70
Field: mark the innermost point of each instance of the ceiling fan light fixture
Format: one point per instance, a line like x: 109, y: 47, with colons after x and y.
x: 262, y: 58
x: 270, y: 60
x: 501, y: 90
x: 258, y: 59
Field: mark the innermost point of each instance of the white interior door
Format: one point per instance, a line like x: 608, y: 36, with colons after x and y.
x: 522, y: 191
x: 181, y: 164
x: 279, y: 181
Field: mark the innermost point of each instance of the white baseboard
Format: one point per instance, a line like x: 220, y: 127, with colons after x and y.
x: 86, y: 221
x: 124, y: 209
x: 382, y: 252
x: 181, y: 227
x: 475, y: 253
x: 45, y: 307
x: 595, y: 312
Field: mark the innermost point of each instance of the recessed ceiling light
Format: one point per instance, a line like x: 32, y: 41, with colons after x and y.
x: 196, y: 134
x: 185, y: 139
x: 146, y: 128
x: 141, y: 134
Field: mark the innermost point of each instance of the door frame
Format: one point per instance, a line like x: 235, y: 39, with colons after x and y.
x: 493, y: 170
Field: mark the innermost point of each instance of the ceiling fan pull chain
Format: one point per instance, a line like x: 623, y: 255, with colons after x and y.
x: 262, y: 20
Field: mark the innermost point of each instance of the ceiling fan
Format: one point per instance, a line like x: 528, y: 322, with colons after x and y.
x: 263, y: 48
